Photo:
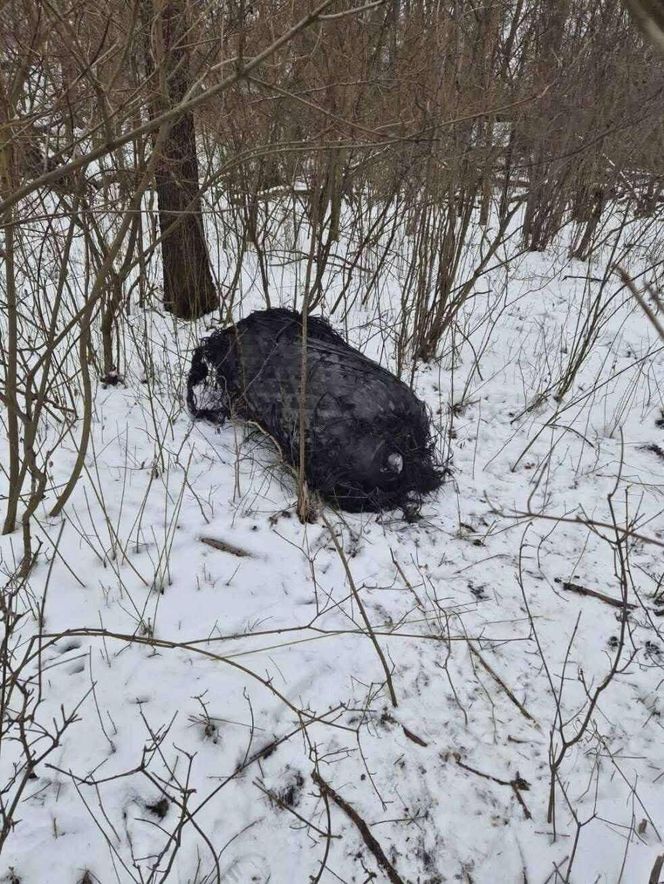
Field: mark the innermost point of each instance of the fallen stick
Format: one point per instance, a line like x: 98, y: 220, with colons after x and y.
x: 413, y: 737
x: 224, y: 546
x: 494, y: 675
x: 656, y: 870
x: 368, y: 838
x: 583, y: 590
x: 516, y: 785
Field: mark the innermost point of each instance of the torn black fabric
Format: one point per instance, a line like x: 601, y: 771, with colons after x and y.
x: 368, y: 443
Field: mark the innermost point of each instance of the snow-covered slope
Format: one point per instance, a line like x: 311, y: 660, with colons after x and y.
x: 217, y: 657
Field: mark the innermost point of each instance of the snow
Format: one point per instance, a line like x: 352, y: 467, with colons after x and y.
x: 224, y: 680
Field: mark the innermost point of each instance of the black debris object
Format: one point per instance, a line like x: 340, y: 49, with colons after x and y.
x: 159, y: 808
x: 368, y: 442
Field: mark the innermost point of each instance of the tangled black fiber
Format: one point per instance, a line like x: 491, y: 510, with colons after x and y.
x: 368, y: 443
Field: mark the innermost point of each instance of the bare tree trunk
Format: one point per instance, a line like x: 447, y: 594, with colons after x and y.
x: 545, y: 204
x: 10, y: 398
x: 189, y: 290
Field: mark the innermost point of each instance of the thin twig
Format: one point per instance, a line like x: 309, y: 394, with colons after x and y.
x: 356, y: 596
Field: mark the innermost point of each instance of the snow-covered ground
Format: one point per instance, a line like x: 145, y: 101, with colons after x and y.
x: 231, y: 705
